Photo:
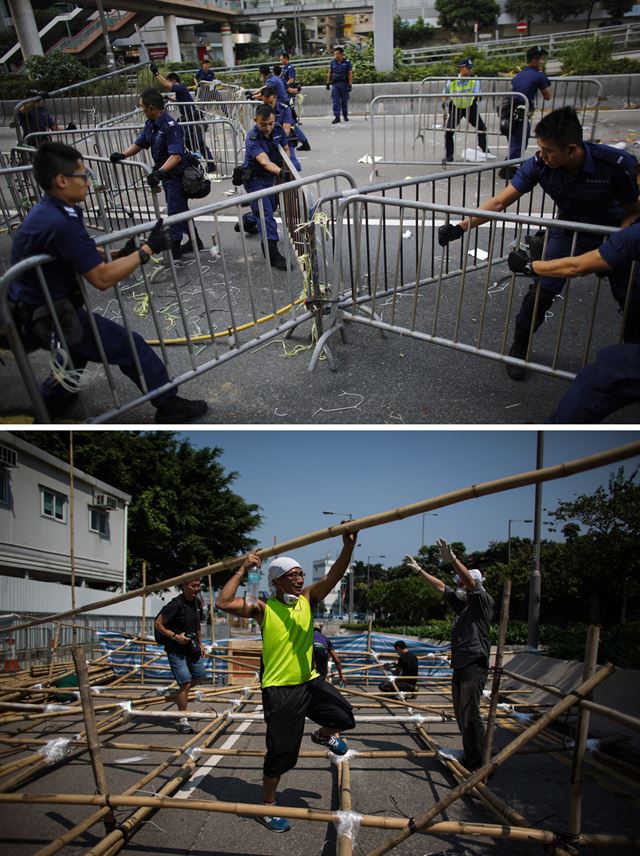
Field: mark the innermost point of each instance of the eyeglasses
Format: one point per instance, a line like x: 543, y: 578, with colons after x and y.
x: 294, y: 574
x: 87, y: 175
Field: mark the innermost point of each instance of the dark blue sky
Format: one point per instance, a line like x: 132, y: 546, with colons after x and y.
x: 294, y: 475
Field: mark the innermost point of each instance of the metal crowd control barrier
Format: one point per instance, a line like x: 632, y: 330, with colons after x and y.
x: 220, y: 137
x: 462, y: 297
x: 19, y: 191
x: 91, y: 101
x: 582, y: 93
x: 411, y: 129
x: 215, y: 307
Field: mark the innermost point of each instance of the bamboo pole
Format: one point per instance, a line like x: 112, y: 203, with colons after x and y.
x: 56, y: 639
x: 418, y: 824
x: 443, y: 500
x: 582, y: 733
x: 345, y: 841
x: 497, y: 666
x: 91, y: 731
x: 72, y: 535
x: 143, y: 619
x: 213, y: 630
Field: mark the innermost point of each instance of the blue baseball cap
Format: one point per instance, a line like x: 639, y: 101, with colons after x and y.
x: 465, y: 63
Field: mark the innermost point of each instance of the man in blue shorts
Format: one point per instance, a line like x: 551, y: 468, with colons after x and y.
x: 178, y: 623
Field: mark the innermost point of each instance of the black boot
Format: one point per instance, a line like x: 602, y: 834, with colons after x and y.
x: 249, y: 227
x: 176, y: 250
x: 188, y: 247
x: 518, y: 349
x: 524, y: 320
x: 176, y: 410
x: 275, y: 256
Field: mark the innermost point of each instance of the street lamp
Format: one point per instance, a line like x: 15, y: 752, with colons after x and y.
x: 380, y: 556
x: 349, y: 516
x: 426, y: 514
x: 513, y: 520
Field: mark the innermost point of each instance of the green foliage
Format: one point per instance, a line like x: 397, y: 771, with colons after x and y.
x: 406, y: 35
x: 56, y: 70
x: 183, y: 514
x: 406, y: 599
x: 594, y: 56
x: 284, y: 36
x: 619, y: 645
x: 462, y: 14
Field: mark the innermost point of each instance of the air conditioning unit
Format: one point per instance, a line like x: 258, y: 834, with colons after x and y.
x: 8, y: 457
x: 102, y: 500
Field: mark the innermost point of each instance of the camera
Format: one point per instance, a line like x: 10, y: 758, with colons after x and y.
x: 193, y: 648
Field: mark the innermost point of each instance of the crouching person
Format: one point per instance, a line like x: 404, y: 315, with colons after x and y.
x: 291, y: 688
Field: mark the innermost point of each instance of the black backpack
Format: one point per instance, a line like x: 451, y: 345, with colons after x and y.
x: 195, y: 183
x: 178, y: 621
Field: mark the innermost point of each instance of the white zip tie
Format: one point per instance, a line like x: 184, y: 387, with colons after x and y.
x: 198, y: 696
x: 445, y: 755
x: 37, y: 687
x: 165, y: 691
x: 193, y: 752
x: 522, y: 717
x: 97, y: 690
x: 132, y: 760
x: 507, y: 708
x: 418, y: 718
x: 126, y: 709
x: 486, y: 693
x: 401, y: 695
x: 235, y: 703
x: 347, y: 824
x: 338, y: 759
x: 55, y: 708
x: 246, y: 692
x: 57, y: 749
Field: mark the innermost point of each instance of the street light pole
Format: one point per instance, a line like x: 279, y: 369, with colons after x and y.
x: 349, y: 516
x: 426, y: 514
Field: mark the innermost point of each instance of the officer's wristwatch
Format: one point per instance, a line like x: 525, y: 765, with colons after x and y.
x: 528, y: 270
x: 144, y: 257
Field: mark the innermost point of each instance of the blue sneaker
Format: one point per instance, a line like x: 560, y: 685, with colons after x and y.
x: 275, y: 824
x: 333, y: 743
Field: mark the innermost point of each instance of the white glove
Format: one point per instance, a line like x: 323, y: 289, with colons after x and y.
x: 446, y: 553
x: 411, y: 562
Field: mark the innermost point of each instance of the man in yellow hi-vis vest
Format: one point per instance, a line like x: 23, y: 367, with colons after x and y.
x: 292, y: 688
x: 465, y: 104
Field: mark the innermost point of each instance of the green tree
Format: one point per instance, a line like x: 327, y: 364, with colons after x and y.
x: 602, y: 540
x: 410, y: 35
x: 284, y: 36
x: 183, y: 513
x: 406, y: 600
x: 462, y: 14
x: 55, y: 70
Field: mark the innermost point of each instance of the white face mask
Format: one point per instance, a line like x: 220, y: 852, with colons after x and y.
x: 290, y: 598
x: 461, y: 593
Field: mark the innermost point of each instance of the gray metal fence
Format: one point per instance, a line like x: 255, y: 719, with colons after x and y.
x: 198, y: 313
x: 582, y: 93
x: 411, y: 129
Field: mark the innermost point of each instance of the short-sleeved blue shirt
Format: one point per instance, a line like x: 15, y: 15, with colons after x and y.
x: 283, y: 114
x: 620, y: 250
x: 288, y: 73
x: 340, y: 71
x: 53, y: 227
x: 594, y: 194
x: 201, y: 74
x: 257, y: 144
x: 164, y: 137
x: 281, y: 90
x: 528, y: 82
x: 36, y: 120
x: 183, y: 98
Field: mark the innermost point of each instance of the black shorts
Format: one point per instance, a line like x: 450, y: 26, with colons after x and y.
x: 285, y: 709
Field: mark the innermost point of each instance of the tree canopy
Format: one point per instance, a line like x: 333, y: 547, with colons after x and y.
x: 183, y: 512
x: 462, y: 14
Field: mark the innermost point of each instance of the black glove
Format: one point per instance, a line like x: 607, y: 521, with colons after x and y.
x: 72, y: 126
x: 159, y: 238
x: 448, y: 233
x: 349, y: 87
x: 154, y: 178
x: 129, y: 247
x: 520, y: 262
x: 43, y: 94
x: 116, y: 157
x: 284, y: 174
x: 328, y: 86
x: 153, y: 68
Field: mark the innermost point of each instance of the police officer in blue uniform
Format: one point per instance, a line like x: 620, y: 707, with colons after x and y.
x: 466, y: 90
x: 274, y: 80
x: 204, y: 73
x: 55, y: 227
x: 34, y: 118
x: 164, y: 136
x: 288, y: 76
x: 264, y: 162
x: 188, y: 113
x: 589, y: 183
x: 340, y: 81
x: 284, y: 118
x: 613, y: 380
x: 528, y: 82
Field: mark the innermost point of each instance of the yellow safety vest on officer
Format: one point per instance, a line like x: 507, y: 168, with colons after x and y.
x: 463, y: 86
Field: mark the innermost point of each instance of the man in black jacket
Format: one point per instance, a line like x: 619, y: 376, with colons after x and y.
x: 179, y: 623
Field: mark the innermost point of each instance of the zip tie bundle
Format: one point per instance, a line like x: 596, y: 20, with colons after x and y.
x: 418, y: 718
x: 235, y: 703
x: 445, y: 755
x: 401, y: 695
x: 198, y: 696
x: 126, y: 709
x: 164, y: 691
x: 97, y: 690
x: 507, y: 708
x: 338, y: 759
x: 486, y: 693
x: 193, y: 752
x: 55, y: 708
x: 69, y: 379
x: 246, y: 692
x: 57, y: 749
x: 347, y: 824
x: 37, y: 686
